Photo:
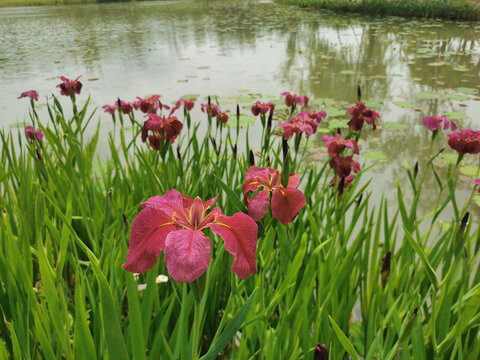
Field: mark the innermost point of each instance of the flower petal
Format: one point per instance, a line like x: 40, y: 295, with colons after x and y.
x: 172, y: 201
x: 294, y: 180
x: 239, y: 232
x: 286, y: 203
x: 258, y: 205
x: 187, y: 254
x: 147, y: 239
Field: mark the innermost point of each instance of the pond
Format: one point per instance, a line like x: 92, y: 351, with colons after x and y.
x: 246, y: 50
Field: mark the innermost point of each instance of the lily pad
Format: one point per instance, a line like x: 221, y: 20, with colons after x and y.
x: 476, y: 199
x: 427, y: 95
x: 203, y: 67
x: 323, y: 131
x: 374, y: 155
x: 437, y: 63
x: 182, y: 81
x: 191, y: 96
x: 19, y: 125
x: 469, y: 170
x: 404, y: 104
x: 461, y: 68
x: 469, y: 91
x: 245, y: 99
x: 395, y: 126
x: 243, y: 91
x: 457, y: 97
x: 454, y: 115
x: 373, y: 104
x: 324, y: 101
x: 449, y: 158
x: 347, y: 72
x: 335, y: 123
x: 334, y: 112
x: 245, y: 121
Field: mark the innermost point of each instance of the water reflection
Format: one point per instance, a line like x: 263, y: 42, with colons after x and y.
x: 219, y: 47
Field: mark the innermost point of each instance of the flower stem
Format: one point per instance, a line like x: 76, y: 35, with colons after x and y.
x: 196, y: 328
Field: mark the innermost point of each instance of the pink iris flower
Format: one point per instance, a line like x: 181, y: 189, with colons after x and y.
x: 359, y: 114
x: 161, y: 127
x: 477, y: 182
x: 435, y: 122
x: 344, y: 165
x: 126, y: 107
x: 286, y: 201
x: 33, y: 134
x: 174, y: 223
x: 336, y: 144
x: 187, y: 103
x: 213, y: 109
x: 32, y: 94
x: 69, y: 87
x: 147, y: 105
x: 110, y: 109
x: 304, y: 121
x: 291, y: 99
x: 465, y: 141
x: 262, y: 108
x: 222, y: 116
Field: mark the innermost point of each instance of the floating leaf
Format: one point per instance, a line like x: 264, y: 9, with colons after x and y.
x: 335, y: 123
x: 461, y: 68
x: 334, y: 112
x: 19, y: 125
x: 469, y: 170
x: 347, y: 72
x: 427, y: 95
x: 245, y: 121
x: 323, y: 130
x: 191, y: 96
x: 374, y: 155
x: 395, y: 126
x: 182, y: 81
x: 437, y: 63
x: 457, y: 97
x: 243, y: 91
x: 245, y: 99
x: 404, y: 104
x: 476, y: 199
x: 203, y: 67
x: 454, y: 115
x: 324, y: 101
x: 373, y: 103
x: 449, y: 158
x: 470, y: 91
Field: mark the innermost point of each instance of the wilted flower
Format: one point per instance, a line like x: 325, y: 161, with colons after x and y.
x: 161, y: 127
x: 69, y: 87
x: 109, y: 109
x: 147, y: 105
x: 344, y: 165
x: 33, y: 134
x: 262, y: 108
x: 336, y: 144
x: 359, y: 114
x: 291, y: 99
x: 435, y: 122
x: 174, y: 223
x: 465, y: 141
x: 32, y: 94
x: 286, y: 201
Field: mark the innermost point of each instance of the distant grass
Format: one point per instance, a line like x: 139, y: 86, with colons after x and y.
x: 453, y: 9
x: 14, y: 3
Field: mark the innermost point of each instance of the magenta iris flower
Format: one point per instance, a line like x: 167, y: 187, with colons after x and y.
x: 435, y: 122
x: 32, y: 94
x: 477, y: 182
x: 69, y: 87
x: 126, y: 107
x: 262, y: 108
x: 465, y: 141
x: 359, y: 114
x: 160, y: 127
x: 147, y: 105
x: 336, y: 144
x: 291, y: 99
x: 109, y: 109
x: 304, y: 122
x: 174, y: 223
x: 286, y: 201
x: 344, y: 165
x: 33, y: 134
x: 213, y: 109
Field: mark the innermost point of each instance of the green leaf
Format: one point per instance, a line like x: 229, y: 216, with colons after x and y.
x: 373, y: 103
x: 449, y: 158
x: 230, y: 330
x: 469, y: 170
x: 245, y: 121
x: 456, y: 97
x: 469, y: 91
x: 347, y: 72
x: 456, y: 115
x: 336, y: 123
x: 395, y: 126
x: 347, y: 345
x: 427, y: 95
x: 404, y: 104
x: 374, y: 155
x: 237, y: 203
x: 334, y: 112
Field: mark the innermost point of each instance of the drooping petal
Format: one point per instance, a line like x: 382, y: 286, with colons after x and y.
x: 258, y: 205
x: 294, y: 180
x: 286, y: 203
x: 239, y: 232
x: 187, y: 254
x: 147, y: 239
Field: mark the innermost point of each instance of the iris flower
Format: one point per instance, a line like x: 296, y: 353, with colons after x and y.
x: 336, y: 144
x: 286, y: 201
x: 109, y: 109
x: 69, y: 87
x: 262, y: 108
x: 161, y: 127
x: 32, y: 94
x: 147, y: 105
x: 359, y: 114
x: 33, y: 134
x: 174, y: 223
x: 435, y: 122
x: 465, y: 141
x: 344, y: 165
x: 291, y: 99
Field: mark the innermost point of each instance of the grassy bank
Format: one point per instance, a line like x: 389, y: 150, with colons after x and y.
x: 15, y: 3
x: 455, y: 10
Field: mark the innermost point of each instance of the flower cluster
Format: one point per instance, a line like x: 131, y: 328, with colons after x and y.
x: 343, y: 165
x: 304, y: 122
x: 174, y: 223
x: 359, y: 114
x: 160, y: 127
x: 214, y: 112
x: 286, y: 201
x: 294, y: 99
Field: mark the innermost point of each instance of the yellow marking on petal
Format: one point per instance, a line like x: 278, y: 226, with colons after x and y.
x: 169, y: 223
x: 224, y: 225
x: 279, y: 189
